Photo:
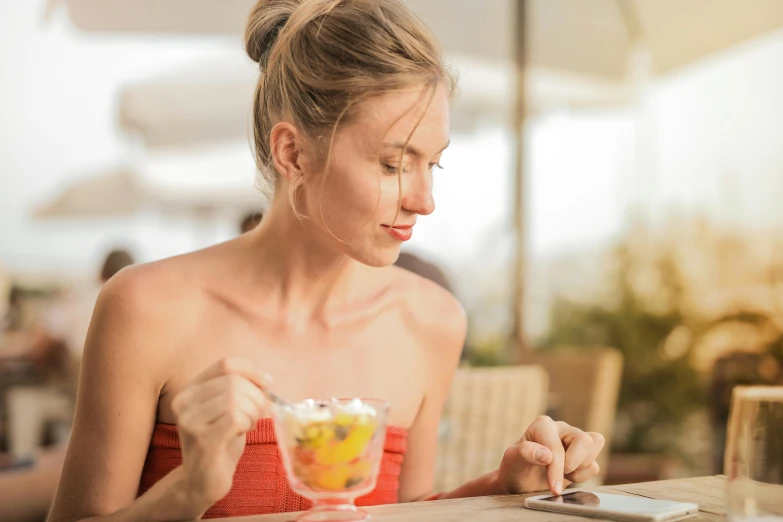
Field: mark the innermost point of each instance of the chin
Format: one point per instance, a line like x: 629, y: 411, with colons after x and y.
x: 377, y: 257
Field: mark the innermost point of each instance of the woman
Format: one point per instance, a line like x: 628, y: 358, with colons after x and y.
x: 351, y: 116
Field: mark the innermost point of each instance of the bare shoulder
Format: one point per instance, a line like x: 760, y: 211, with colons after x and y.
x: 155, y: 291
x: 434, y: 312
x: 143, y: 311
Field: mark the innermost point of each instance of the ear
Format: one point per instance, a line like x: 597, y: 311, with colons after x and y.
x: 285, y: 143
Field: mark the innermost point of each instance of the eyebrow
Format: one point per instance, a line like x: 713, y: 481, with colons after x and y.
x: 410, y: 149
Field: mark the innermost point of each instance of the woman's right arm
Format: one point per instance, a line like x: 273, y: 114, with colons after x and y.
x: 129, y: 341
x: 139, y: 324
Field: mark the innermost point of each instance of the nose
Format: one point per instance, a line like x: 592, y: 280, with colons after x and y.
x: 417, y: 193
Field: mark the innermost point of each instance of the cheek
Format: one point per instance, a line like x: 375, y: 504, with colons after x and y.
x: 355, y: 197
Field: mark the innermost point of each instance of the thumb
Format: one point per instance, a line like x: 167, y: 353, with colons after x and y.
x: 534, y: 454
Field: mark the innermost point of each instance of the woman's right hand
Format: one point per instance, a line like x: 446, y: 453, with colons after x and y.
x: 213, y: 415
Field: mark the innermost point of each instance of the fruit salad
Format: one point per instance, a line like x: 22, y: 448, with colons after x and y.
x: 330, y: 444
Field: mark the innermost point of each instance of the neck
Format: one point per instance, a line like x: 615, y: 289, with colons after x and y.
x: 304, y: 277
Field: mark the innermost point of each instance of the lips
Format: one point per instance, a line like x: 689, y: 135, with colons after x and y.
x: 400, y: 232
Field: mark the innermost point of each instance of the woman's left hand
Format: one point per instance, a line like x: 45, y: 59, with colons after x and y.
x: 550, y: 455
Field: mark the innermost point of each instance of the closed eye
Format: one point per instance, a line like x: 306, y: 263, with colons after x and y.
x: 391, y: 169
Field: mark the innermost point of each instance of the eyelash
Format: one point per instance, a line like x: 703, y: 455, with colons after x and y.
x: 393, y: 170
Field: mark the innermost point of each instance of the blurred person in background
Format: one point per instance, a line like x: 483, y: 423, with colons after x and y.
x: 66, y: 321
x: 28, y: 484
x: 5, y: 290
x: 171, y: 419
x: 12, y: 316
x: 426, y: 269
x: 69, y: 318
x: 250, y: 221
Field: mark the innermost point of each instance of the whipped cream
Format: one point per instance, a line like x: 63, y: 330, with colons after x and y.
x: 315, y: 411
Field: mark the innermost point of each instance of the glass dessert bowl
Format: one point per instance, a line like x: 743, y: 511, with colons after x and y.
x: 332, y: 452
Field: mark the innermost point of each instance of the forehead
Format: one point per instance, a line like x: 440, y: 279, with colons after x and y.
x: 391, y: 118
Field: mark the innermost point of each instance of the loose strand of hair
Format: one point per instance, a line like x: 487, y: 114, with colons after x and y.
x: 327, y: 164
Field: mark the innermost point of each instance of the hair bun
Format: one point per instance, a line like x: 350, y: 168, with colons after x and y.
x: 267, y: 19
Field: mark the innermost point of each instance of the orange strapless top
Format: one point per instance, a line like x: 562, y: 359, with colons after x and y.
x: 260, y: 482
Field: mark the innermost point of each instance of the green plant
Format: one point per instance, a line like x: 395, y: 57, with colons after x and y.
x: 487, y: 352
x: 660, y: 389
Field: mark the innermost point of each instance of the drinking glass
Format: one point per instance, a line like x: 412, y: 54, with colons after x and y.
x: 754, y: 455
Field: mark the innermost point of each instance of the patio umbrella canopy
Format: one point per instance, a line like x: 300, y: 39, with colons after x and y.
x: 208, y: 102
x: 122, y: 193
x: 212, y: 102
x: 590, y: 37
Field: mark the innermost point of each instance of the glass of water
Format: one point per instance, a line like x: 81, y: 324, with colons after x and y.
x: 754, y: 455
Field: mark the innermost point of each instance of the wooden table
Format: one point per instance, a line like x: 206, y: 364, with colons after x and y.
x: 707, y: 492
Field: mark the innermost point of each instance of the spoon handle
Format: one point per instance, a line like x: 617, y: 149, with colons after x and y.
x: 274, y: 397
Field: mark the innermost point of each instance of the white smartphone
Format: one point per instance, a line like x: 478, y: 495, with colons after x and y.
x: 613, y: 507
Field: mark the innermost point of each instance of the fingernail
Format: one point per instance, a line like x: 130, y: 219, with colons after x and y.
x: 540, y: 455
x: 558, y: 487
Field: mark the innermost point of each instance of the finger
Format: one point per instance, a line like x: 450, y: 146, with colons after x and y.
x: 526, y: 453
x: 598, y: 444
x: 578, y: 445
x: 196, y: 418
x: 584, y: 474
x: 229, y: 425
x: 236, y: 386
x: 230, y: 365
x: 546, y: 432
x: 535, y: 454
x: 201, y: 414
x: 238, y: 394
x: 253, y: 393
x: 230, y: 384
x: 197, y: 393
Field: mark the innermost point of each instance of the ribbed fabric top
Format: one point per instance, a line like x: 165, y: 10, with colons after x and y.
x: 260, y: 482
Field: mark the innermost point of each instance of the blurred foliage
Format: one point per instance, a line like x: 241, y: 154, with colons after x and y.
x: 490, y: 351
x: 691, y: 307
x: 659, y: 389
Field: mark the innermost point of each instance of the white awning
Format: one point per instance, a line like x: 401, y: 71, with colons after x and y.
x: 582, y: 36
x: 212, y: 102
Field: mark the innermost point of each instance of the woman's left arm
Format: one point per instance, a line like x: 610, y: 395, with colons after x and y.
x: 549, y: 455
x: 443, y: 327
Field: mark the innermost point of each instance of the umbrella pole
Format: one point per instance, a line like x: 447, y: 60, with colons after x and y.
x: 520, y: 236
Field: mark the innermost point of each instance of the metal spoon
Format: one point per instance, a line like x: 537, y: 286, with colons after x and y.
x: 272, y: 396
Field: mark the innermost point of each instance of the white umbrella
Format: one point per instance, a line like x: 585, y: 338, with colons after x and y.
x: 211, y: 102
x: 122, y: 193
x: 583, y: 36
x: 158, y: 16
x: 117, y: 194
x: 127, y: 195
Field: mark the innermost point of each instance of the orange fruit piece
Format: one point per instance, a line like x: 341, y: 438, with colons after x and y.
x: 351, y: 448
x: 331, y: 478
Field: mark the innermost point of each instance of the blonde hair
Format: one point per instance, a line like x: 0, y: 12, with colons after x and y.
x: 319, y: 59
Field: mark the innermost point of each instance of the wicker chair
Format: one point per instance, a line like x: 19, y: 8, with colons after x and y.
x: 487, y: 410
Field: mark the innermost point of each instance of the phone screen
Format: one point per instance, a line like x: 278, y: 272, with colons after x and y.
x: 618, y: 503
